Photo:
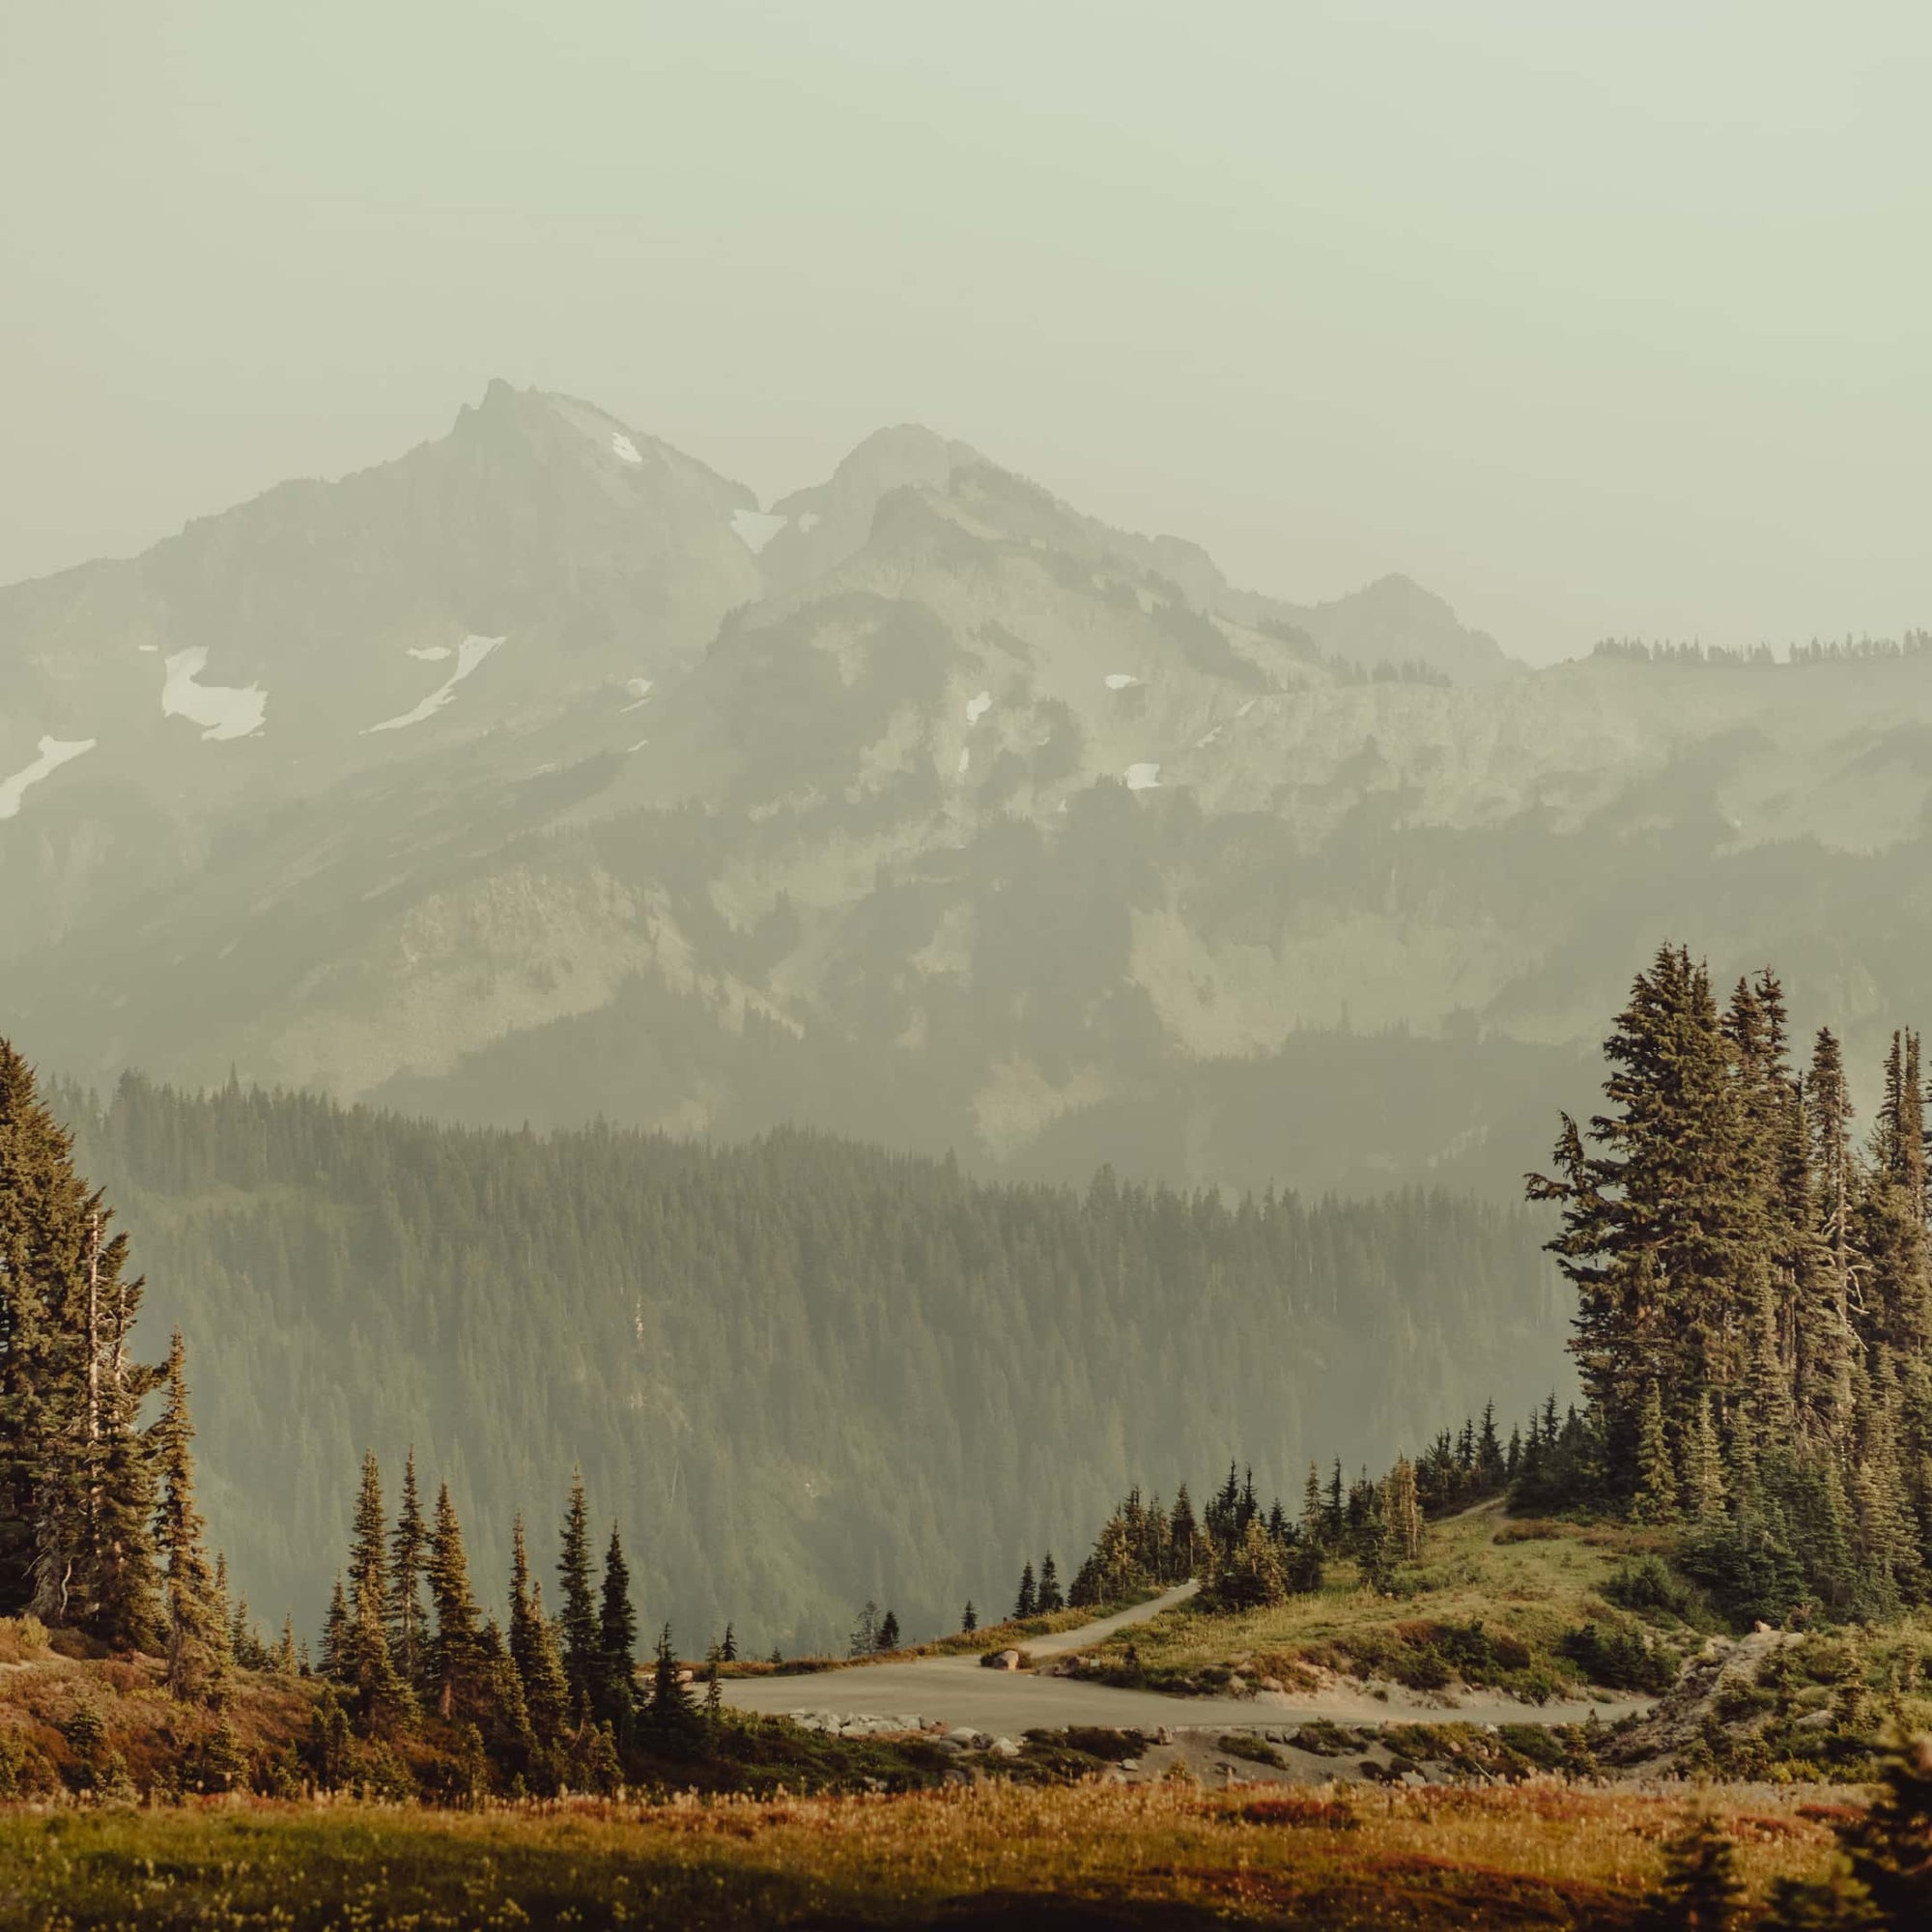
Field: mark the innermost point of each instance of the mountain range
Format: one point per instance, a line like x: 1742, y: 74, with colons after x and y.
x: 541, y: 775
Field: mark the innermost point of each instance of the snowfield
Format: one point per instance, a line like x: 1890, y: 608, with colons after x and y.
x: 54, y: 754
x: 469, y: 653
x: 223, y: 710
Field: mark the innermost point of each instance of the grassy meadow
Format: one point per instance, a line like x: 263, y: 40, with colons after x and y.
x: 1169, y: 1855
x: 1491, y: 1603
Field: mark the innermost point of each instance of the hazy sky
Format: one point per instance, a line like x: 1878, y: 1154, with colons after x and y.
x: 1606, y: 318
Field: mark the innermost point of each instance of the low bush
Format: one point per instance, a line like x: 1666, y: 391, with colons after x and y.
x: 1620, y: 1658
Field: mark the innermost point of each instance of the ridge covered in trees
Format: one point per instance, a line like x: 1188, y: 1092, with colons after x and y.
x: 809, y: 1370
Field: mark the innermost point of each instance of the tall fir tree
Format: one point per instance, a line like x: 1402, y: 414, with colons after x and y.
x: 578, y: 1615
x: 453, y: 1654
x: 614, y: 1694
x: 409, y: 1554
x: 197, y: 1631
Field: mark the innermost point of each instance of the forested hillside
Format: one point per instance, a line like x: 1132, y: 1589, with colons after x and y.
x: 799, y: 1372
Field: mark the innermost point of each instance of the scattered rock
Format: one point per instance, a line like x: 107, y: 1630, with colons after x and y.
x: 1130, y: 1764
x: 1270, y: 1683
x: 1001, y: 1660
x: 1005, y: 1747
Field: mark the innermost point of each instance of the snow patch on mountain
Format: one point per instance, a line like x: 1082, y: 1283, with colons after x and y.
x: 1121, y: 680
x: 54, y: 754
x: 430, y: 653
x: 222, y: 710
x: 965, y: 758
x: 469, y: 653
x: 1144, y: 778
x: 623, y: 448
x: 977, y: 707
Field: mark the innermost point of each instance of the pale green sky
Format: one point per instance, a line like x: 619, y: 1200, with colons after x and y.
x: 1594, y: 317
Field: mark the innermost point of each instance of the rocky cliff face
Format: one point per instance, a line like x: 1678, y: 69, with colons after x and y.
x: 540, y: 774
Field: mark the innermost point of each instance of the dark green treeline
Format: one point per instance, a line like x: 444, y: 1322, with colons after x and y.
x: 802, y: 1372
x: 1755, y: 1300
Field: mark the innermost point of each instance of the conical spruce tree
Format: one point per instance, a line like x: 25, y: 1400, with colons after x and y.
x: 1701, y: 1889
x: 336, y: 1648
x: 197, y: 1630
x: 673, y: 1713
x: 533, y: 1649
x: 1026, y: 1602
x: 579, y: 1618
x: 1890, y: 1844
x: 1704, y: 1468
x: 409, y: 1552
x: 1048, y: 1596
x: 1654, y: 1494
x: 615, y: 1690
x: 453, y: 1649
x: 368, y: 1578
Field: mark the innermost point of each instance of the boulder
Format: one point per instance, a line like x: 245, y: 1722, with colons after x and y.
x: 1005, y: 1747
x: 1001, y: 1660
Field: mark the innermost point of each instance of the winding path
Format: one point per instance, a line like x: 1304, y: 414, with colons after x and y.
x: 960, y: 1690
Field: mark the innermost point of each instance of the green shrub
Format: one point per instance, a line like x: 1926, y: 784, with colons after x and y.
x: 1647, y: 1585
x: 1253, y: 1749
x: 1619, y: 1657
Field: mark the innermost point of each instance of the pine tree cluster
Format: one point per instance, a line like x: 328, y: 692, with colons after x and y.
x: 552, y: 1703
x: 1754, y: 1320
x: 99, y: 1530
x: 1245, y: 1556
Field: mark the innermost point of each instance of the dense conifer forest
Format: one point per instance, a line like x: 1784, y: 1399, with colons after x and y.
x: 1755, y: 1300
x: 1752, y: 1330
x: 799, y: 1373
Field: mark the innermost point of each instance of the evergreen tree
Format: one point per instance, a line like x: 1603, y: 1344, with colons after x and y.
x: 969, y: 1621
x: 1183, y: 1537
x: 368, y: 1582
x: 1704, y: 1468
x: 288, y: 1660
x: 1700, y: 1890
x: 1024, y: 1602
x: 1654, y: 1497
x: 1048, y: 1596
x: 864, y: 1638
x: 409, y: 1552
x: 1663, y: 1226
x: 1402, y: 1511
x: 673, y: 1717
x: 452, y: 1655
x: 579, y: 1618
x: 727, y: 1651
x: 1251, y: 1576
x: 615, y: 1693
x: 76, y: 1474
x: 1891, y: 1846
x: 1314, y: 1518
x: 197, y: 1634
x: 335, y: 1645
x: 889, y: 1631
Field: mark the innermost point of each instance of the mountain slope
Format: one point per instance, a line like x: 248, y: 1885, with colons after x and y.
x: 556, y: 779
x: 800, y: 1372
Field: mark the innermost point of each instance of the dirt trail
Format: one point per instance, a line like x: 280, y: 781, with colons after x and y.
x: 960, y: 1691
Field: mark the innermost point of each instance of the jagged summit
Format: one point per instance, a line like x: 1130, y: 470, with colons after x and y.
x: 541, y: 772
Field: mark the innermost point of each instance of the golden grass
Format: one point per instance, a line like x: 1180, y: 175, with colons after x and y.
x: 1539, y: 1854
